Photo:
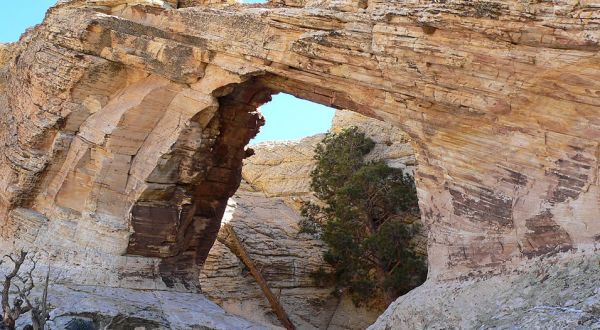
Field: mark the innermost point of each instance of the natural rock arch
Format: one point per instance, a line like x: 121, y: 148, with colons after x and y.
x: 124, y: 133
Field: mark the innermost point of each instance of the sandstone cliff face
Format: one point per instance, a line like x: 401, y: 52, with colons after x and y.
x: 282, y: 169
x: 264, y: 213
x: 124, y: 124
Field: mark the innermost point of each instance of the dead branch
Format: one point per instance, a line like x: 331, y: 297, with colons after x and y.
x: 234, y: 244
x: 23, y: 283
x: 11, y: 314
x: 39, y: 311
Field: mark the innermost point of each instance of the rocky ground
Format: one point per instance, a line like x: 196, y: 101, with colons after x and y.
x: 117, y: 308
x: 561, y: 292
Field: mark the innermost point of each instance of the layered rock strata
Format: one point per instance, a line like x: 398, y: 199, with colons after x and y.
x: 124, y: 123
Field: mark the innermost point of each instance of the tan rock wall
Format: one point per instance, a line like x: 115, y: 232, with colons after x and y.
x: 282, y: 169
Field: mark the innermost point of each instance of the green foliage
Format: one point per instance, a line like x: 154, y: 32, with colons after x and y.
x: 367, y: 220
x: 338, y: 156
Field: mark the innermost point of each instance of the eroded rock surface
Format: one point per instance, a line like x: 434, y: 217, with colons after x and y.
x: 124, y: 123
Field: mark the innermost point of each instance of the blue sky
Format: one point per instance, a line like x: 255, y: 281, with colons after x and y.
x: 16, y: 16
x: 290, y: 118
x: 287, y: 117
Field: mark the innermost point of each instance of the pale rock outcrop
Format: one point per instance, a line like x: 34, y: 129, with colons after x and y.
x: 554, y: 293
x: 282, y: 169
x: 125, y: 127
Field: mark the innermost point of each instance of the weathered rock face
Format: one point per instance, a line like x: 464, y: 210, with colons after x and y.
x: 282, y: 169
x: 264, y: 214
x: 554, y: 293
x: 124, y: 126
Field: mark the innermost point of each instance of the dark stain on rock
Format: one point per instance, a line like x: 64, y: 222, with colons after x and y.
x: 457, y: 255
x: 516, y: 178
x: 169, y: 282
x: 428, y: 29
x: 151, y: 225
x: 572, y: 175
x: 483, y: 205
x: 545, y: 236
x: 480, y: 252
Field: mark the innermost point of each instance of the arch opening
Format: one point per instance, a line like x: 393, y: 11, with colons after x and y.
x: 289, y: 118
x: 265, y: 213
x: 181, y: 228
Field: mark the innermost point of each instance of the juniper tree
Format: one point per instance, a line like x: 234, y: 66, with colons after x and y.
x: 366, y: 215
